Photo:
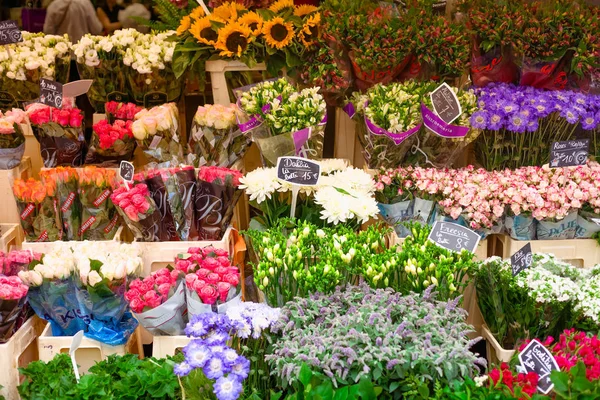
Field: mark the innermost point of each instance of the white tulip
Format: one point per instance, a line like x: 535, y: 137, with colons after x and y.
x: 94, y: 278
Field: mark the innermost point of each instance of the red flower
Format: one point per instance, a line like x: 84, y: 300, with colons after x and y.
x: 495, y: 375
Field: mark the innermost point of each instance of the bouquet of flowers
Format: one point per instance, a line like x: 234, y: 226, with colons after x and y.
x: 138, y: 210
x: 210, y: 282
x: 60, y: 133
x: 215, y: 199
x: 181, y: 190
x: 103, y: 275
x: 38, y: 211
x: 156, y: 182
x: 100, y: 58
x: 111, y: 143
x: 52, y: 292
x: 158, y: 302
x: 121, y: 111
x: 99, y: 217
x: 12, y: 141
x: 23, y: 64
x: 157, y: 132
x: 66, y: 180
x: 15, y: 261
x: 12, y: 300
x: 215, y: 139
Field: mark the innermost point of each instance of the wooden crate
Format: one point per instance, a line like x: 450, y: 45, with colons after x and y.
x: 495, y: 352
x: 163, y: 346
x: 217, y: 70
x: 11, y: 237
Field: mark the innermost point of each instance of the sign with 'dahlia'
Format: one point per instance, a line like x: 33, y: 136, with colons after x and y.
x: 445, y: 103
x: 537, y: 358
x: 51, y: 93
x: 569, y: 153
x: 454, y: 237
x: 522, y: 259
x: 298, y: 171
x: 10, y: 32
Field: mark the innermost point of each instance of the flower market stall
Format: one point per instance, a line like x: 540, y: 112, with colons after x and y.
x: 276, y: 201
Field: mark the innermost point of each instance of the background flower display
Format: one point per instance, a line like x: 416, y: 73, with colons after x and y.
x: 12, y: 141
x: 111, y: 143
x: 157, y: 132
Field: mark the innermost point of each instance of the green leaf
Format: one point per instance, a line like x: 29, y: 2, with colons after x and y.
x: 581, y: 384
x: 341, y: 394
x: 305, y: 375
x: 365, y: 389
x: 95, y: 265
x: 560, y: 380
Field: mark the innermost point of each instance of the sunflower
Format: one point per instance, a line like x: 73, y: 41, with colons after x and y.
x: 253, y: 21
x: 310, y: 30
x: 233, y: 39
x: 278, y: 33
x: 281, y: 5
x: 203, y: 31
x: 184, y: 25
x: 228, y: 11
x: 304, y: 9
x: 197, y: 13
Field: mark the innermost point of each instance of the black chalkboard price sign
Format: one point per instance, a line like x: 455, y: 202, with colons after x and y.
x: 569, y: 153
x: 537, y: 358
x: 454, y: 237
x: 298, y: 171
x: 445, y: 103
x: 126, y: 171
x: 51, y: 93
x: 10, y: 32
x: 522, y: 259
x: 152, y: 99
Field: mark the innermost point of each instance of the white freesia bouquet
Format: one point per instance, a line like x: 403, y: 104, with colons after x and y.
x: 255, y: 100
x: 23, y: 64
x: 342, y: 196
x: 157, y: 132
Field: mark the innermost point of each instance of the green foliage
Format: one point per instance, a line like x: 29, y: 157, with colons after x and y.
x: 468, y: 390
x: 169, y: 16
x: 574, y: 384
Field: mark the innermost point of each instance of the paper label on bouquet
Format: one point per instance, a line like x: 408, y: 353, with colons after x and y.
x: 440, y: 127
x: 155, y: 142
x: 51, y: 93
x: 7, y: 100
x: 350, y: 110
x: 10, y: 32
x: 569, y: 153
x: 300, y: 139
x: 119, y: 97
x: 298, y: 171
x: 445, y: 103
x: 522, y: 259
x: 77, y: 88
x: 454, y: 237
x: 397, y: 138
x: 126, y: 171
x: 537, y: 358
x: 152, y: 99
x: 254, y: 122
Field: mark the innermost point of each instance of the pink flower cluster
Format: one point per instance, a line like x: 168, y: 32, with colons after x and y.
x: 133, y: 201
x: 124, y: 111
x: 9, y: 119
x: 483, y: 197
x: 209, y: 273
x: 13, y: 262
x: 40, y: 114
x: 220, y: 176
x: 12, y: 288
x: 108, y: 134
x: 152, y: 291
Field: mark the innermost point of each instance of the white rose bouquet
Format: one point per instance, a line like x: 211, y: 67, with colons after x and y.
x: 157, y: 132
x: 52, y: 291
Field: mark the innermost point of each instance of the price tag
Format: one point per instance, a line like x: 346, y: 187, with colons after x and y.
x: 119, y: 97
x: 152, y: 99
x: 537, y: 358
x: 522, y: 259
x: 51, y: 93
x: 445, y: 103
x: 126, y: 171
x: 298, y: 171
x: 454, y: 237
x: 10, y: 32
x: 569, y: 153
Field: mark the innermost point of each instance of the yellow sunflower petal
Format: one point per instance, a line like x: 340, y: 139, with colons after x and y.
x: 304, y: 9
x: 203, y: 31
x: 228, y: 11
x: 278, y: 33
x: 253, y: 21
x: 184, y: 25
x: 197, y: 13
x: 233, y: 39
x: 280, y: 5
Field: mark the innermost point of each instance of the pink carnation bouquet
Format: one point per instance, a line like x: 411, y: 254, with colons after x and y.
x: 15, y: 261
x: 12, y: 300
x: 139, y: 211
x: 111, y: 143
x: 12, y: 141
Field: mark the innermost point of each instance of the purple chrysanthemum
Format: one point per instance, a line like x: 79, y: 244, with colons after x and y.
x: 517, y: 123
x: 215, y: 368
x: 589, y: 121
x: 495, y: 122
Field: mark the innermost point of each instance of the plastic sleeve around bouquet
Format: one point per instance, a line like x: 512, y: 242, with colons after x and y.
x: 60, y: 145
x: 147, y: 227
x: 163, y: 147
x: 108, y: 77
x: 9, y: 313
x: 216, y: 147
x: 586, y: 225
x: 158, y: 192
x: 12, y: 148
x: 366, y: 79
x: 195, y: 306
x: 307, y: 143
x: 162, y: 82
x: 550, y: 75
x: 565, y: 228
x: 41, y: 222
x: 70, y: 208
x: 214, y: 205
x: 497, y: 65
x: 121, y: 150
x: 56, y: 302
x: 181, y: 186
x: 168, y: 318
x: 99, y: 217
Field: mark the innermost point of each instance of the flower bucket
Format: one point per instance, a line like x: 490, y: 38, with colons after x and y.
x: 566, y: 228
x: 586, y: 226
x: 521, y: 227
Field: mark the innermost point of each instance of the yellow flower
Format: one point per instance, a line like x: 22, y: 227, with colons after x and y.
x: 304, y: 9
x: 310, y: 30
x: 228, y: 11
x: 278, y: 33
x: 204, y: 32
x: 253, y: 21
x: 233, y: 39
x: 280, y: 5
x: 197, y: 13
x: 184, y: 25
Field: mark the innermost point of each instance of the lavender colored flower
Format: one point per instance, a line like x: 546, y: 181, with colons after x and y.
x: 229, y: 356
x: 589, y: 121
x: 570, y: 115
x: 197, y: 354
x: 495, y: 121
x: 241, y: 367
x: 517, y: 123
x: 479, y: 120
x: 228, y: 387
x: 182, y: 369
x: 215, y: 368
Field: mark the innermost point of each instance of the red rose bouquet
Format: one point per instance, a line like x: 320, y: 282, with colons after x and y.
x: 38, y: 210
x: 122, y: 111
x: 99, y: 217
x: 139, y: 211
x: 216, y: 196
x: 12, y: 299
x: 111, y: 143
x: 158, y: 302
x: 12, y: 141
x: 60, y: 133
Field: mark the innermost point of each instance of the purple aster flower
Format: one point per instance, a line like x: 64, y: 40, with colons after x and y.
x: 182, y: 369
x: 215, y: 368
x: 229, y: 356
x: 479, y: 120
x: 517, y: 123
x: 196, y: 354
x: 495, y: 122
x: 241, y: 367
x: 196, y: 327
x: 532, y: 125
x: 228, y: 387
x: 570, y: 115
x: 216, y: 338
x: 509, y: 107
x: 589, y: 121
x: 543, y: 110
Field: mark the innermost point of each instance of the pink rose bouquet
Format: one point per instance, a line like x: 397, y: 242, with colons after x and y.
x: 111, y: 143
x: 139, y: 211
x: 158, y: 302
x: 60, y: 133
x: 15, y: 261
x: 12, y: 299
x: 12, y: 141
x: 121, y: 111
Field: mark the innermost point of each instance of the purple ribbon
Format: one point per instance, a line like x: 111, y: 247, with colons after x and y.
x: 440, y: 127
x: 349, y: 109
x: 324, y: 120
x: 300, y: 138
x: 396, y: 137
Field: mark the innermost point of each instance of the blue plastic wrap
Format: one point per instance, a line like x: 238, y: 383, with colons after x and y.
x: 113, y: 336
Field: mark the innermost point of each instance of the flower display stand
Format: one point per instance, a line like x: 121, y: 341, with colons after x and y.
x: 90, y: 351
x: 583, y: 253
x: 217, y: 70
x: 9, y: 212
x: 32, y: 150
x: 163, y: 346
x: 46, y: 247
x: 11, y: 236
x: 495, y: 352
x: 19, y: 351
